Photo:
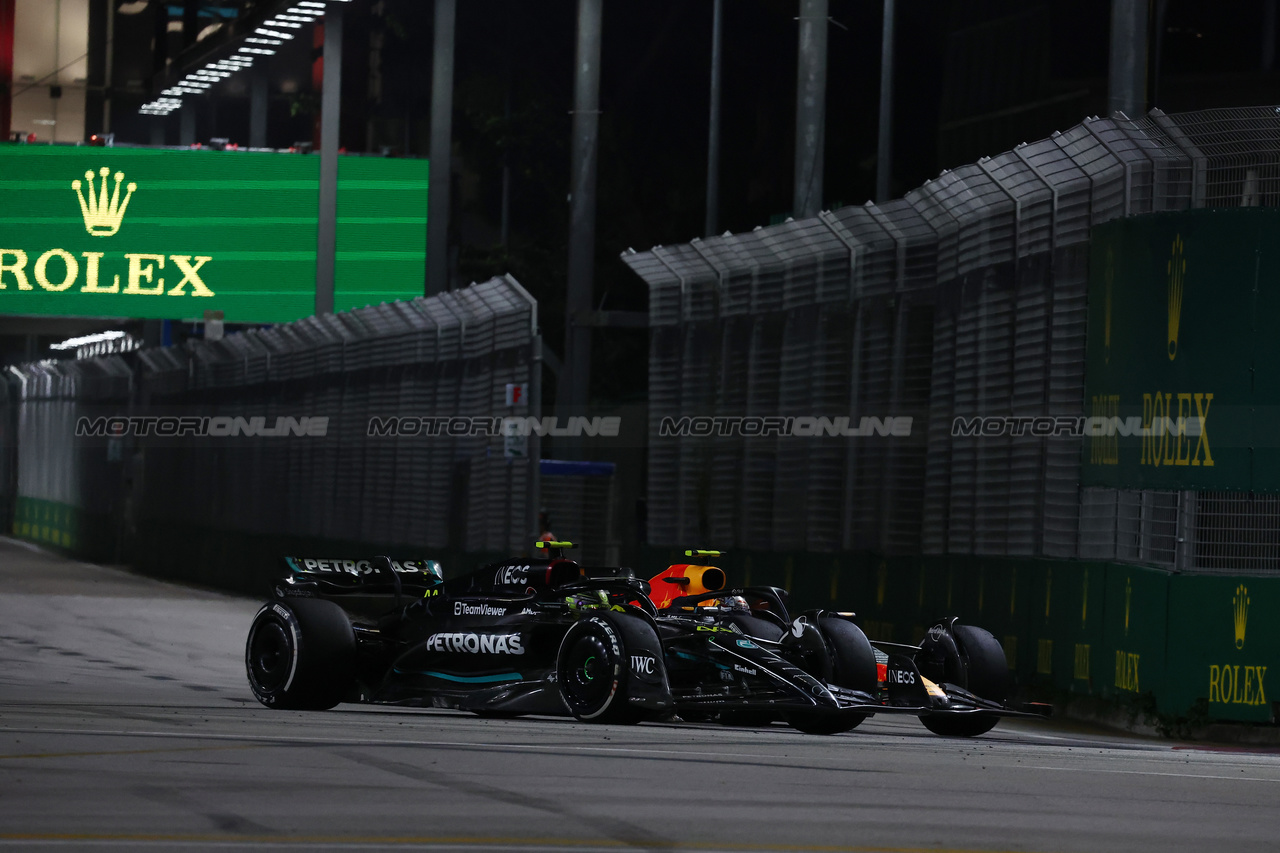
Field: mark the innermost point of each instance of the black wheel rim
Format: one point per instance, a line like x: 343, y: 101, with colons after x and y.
x: 588, y: 675
x: 270, y: 656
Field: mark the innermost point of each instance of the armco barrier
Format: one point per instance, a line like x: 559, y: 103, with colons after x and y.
x: 1180, y: 646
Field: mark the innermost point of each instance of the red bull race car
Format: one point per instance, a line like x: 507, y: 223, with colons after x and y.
x: 956, y: 680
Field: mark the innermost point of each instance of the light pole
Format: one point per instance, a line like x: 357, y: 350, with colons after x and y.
x: 441, y: 148
x: 811, y: 97
x: 575, y: 376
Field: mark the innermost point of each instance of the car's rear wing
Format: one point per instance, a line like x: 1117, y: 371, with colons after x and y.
x: 371, y: 576
x: 363, y: 568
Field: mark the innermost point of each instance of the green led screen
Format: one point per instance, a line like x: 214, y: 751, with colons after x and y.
x: 177, y: 233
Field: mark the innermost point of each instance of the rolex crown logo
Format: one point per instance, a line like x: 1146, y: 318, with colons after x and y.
x: 1240, y: 609
x: 1177, y: 270
x: 103, y: 213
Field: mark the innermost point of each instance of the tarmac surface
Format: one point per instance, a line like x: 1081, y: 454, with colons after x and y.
x: 126, y: 724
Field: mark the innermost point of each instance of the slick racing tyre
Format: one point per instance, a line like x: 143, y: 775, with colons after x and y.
x: 754, y: 626
x: 987, y: 674
x: 986, y: 667
x: 592, y: 671
x: 853, y: 661
x: 301, y: 655
x: 849, y: 661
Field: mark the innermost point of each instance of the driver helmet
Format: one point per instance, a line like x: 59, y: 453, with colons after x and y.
x: 731, y: 603
x: 595, y: 600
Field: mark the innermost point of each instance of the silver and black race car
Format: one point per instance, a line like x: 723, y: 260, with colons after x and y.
x: 956, y: 680
x: 541, y: 636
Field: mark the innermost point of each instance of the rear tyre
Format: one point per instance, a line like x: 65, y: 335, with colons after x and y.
x: 592, y: 671
x: 301, y: 655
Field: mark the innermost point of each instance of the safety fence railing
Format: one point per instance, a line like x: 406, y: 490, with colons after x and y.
x: 371, y: 426
x: 1132, y: 526
x: 1235, y: 531
x: 965, y: 298
x: 577, y: 498
x: 65, y: 493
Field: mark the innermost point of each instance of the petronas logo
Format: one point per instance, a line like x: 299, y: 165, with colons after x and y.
x: 103, y: 213
x: 1240, y: 607
x: 1177, y: 270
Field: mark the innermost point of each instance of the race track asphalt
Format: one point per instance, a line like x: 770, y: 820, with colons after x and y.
x: 126, y: 724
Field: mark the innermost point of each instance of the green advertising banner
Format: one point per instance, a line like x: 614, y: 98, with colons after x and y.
x: 1072, y: 633
x: 1225, y: 639
x: 170, y: 234
x: 1136, y: 614
x: 1176, y: 336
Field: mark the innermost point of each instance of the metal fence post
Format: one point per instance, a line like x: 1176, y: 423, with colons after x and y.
x: 1184, y: 561
x: 330, y: 121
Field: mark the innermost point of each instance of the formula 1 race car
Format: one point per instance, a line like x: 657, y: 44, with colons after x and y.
x: 956, y: 680
x: 542, y: 636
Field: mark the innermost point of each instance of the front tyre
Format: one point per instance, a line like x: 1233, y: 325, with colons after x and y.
x: 301, y: 655
x: 846, y: 659
x: 986, y: 674
x: 592, y: 671
x: 987, y: 670
x: 853, y: 661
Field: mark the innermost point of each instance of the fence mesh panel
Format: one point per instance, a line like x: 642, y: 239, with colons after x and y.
x: 448, y: 355
x: 965, y: 297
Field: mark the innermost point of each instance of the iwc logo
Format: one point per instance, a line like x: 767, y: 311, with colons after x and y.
x: 1177, y: 271
x: 103, y: 214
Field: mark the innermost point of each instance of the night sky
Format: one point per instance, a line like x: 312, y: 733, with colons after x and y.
x: 973, y: 78
x: 653, y: 134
